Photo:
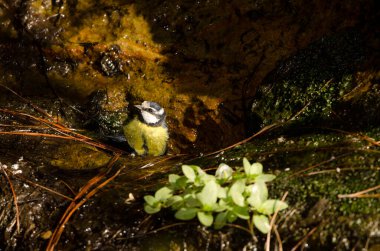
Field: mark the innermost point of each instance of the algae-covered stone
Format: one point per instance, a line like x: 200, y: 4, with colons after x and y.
x: 79, y: 157
x: 310, y: 86
x: 107, y: 112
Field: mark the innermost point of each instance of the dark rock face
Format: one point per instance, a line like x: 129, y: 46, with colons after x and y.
x: 177, y: 52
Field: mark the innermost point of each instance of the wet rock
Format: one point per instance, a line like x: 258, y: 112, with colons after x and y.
x: 106, y: 112
x: 79, y: 157
x: 320, y: 86
x: 110, y: 63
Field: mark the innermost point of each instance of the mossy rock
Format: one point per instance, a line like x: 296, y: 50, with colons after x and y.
x: 321, y: 85
x: 79, y: 157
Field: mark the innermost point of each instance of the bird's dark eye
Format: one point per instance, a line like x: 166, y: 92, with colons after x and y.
x: 151, y: 110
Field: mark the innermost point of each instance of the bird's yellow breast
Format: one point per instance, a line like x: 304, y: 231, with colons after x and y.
x: 146, y: 139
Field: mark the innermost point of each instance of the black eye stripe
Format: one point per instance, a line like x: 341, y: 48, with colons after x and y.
x: 150, y: 110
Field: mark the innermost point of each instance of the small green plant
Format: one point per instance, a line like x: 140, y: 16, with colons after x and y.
x: 218, y: 199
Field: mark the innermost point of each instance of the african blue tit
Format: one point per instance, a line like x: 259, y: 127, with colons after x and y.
x: 147, y: 132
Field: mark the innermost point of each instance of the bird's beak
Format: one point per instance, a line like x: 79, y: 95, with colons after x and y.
x: 138, y: 107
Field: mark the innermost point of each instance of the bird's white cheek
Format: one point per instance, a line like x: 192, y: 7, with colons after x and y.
x: 161, y: 111
x: 149, y: 118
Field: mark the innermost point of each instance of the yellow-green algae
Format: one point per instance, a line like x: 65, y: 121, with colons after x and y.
x: 79, y: 156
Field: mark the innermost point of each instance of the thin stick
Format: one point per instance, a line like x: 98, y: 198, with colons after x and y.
x: 161, y: 159
x: 358, y: 135
x: 304, y: 238
x: 72, y: 211
x: 36, y: 134
x: 373, y: 228
x: 41, y: 120
x: 14, y: 199
x: 250, y: 227
x: 43, y: 187
x: 83, y: 197
x: 62, y: 130
x: 91, y: 183
x: 278, y: 237
x: 267, y: 128
x: 25, y: 126
x: 376, y: 195
x: 357, y: 194
x: 319, y: 164
x: 166, y: 227
x: 342, y: 170
x: 68, y: 137
x: 67, y: 186
x: 267, y: 244
x: 38, y: 109
x: 239, y: 227
x: 308, y: 103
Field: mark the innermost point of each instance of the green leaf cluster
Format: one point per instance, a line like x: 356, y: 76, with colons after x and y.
x: 218, y: 199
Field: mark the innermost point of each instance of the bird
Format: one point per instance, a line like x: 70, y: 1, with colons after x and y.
x: 146, y: 132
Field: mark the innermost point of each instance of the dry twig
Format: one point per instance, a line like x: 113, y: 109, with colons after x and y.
x: 267, y: 244
x: 362, y: 194
x: 84, y: 195
x: 43, y: 187
x: 304, y: 238
x: 14, y: 199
